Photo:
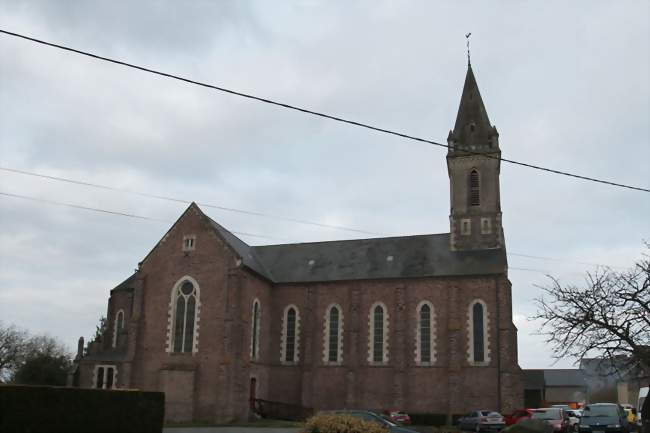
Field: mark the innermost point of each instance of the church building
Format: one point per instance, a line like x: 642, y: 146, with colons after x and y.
x: 416, y: 323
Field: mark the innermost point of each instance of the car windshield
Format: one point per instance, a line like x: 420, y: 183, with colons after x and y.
x: 593, y: 411
x: 547, y: 414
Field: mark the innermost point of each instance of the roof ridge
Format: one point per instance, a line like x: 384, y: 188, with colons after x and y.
x: 351, y: 240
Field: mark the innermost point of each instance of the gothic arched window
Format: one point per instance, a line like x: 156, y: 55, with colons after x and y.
x: 185, y: 299
x: 425, y: 333
x: 255, y: 330
x: 118, y: 325
x: 478, y: 333
x: 332, y: 350
x: 474, y: 188
x: 290, y: 335
x: 378, y: 339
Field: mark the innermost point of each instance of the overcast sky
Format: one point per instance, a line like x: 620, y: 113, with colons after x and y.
x: 566, y: 84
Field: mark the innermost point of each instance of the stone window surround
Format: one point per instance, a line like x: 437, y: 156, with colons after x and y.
x: 115, y: 322
x: 433, y: 330
x: 189, y: 242
x: 105, y: 367
x: 326, y: 336
x: 371, y: 334
x: 486, y: 334
x: 465, y: 226
x: 283, y: 338
x: 171, y: 315
x: 255, y: 332
x: 486, y: 226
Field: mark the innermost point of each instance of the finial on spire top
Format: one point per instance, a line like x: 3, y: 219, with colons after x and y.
x: 468, y: 54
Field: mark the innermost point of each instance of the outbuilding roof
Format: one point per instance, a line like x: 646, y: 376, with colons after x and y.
x: 564, y: 377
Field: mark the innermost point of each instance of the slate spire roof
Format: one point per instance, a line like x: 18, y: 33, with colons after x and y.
x: 473, y: 129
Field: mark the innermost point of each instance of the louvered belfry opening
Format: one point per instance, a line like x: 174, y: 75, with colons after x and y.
x: 474, y: 189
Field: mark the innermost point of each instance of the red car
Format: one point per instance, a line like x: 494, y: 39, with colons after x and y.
x: 518, y: 415
x: 555, y: 416
x: 398, y: 417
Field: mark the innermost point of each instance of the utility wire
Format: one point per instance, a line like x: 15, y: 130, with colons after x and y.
x: 259, y: 214
x: 123, y: 214
x: 110, y: 212
x: 178, y: 200
x: 315, y: 113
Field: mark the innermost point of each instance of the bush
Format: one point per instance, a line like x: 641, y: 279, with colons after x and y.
x: 340, y: 424
x: 48, y: 409
x: 435, y: 419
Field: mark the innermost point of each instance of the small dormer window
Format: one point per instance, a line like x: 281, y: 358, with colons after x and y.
x: 188, y: 242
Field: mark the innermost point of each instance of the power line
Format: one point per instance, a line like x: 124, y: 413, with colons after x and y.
x: 314, y: 113
x: 555, y: 259
x: 110, y: 212
x: 178, y: 200
x: 124, y: 214
x: 260, y: 214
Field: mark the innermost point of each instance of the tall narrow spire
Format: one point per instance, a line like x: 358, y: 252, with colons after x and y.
x: 473, y: 130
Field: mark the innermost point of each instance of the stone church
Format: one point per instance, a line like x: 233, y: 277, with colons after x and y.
x: 417, y: 323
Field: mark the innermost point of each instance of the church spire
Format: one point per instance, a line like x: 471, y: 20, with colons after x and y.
x: 472, y: 130
x: 473, y: 164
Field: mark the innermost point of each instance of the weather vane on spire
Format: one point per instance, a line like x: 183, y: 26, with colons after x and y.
x: 468, y: 55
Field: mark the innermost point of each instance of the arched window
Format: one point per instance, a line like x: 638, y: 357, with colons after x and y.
x: 184, y: 317
x: 333, y: 341
x: 378, y: 338
x: 255, y: 330
x: 474, y: 189
x: 118, y: 325
x: 290, y: 335
x: 478, y: 333
x: 425, y: 334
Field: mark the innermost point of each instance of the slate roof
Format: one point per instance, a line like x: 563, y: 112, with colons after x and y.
x: 126, y: 284
x: 564, y: 377
x: 472, y: 127
x: 533, y: 379
x: 391, y: 257
x: 358, y: 259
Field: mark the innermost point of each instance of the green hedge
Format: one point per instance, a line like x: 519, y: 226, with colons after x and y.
x: 46, y: 409
x: 434, y: 419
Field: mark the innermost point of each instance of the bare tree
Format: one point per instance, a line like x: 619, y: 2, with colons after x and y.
x: 609, y: 316
x: 13, y: 345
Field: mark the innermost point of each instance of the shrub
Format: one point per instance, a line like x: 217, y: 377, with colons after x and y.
x: 48, y: 409
x: 435, y: 419
x: 340, y: 424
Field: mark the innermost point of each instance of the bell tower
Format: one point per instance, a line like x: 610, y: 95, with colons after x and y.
x: 473, y: 164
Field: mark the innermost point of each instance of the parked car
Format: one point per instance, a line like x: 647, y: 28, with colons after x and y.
x: 398, y: 417
x: 574, y: 419
x: 367, y: 415
x: 604, y: 418
x: 517, y: 416
x: 556, y: 416
x: 482, y: 420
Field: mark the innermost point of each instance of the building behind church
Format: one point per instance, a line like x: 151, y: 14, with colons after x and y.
x: 417, y: 323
